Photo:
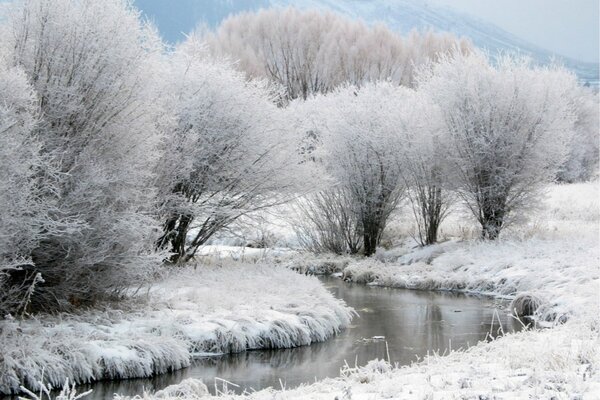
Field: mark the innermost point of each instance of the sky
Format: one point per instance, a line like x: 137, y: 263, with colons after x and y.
x: 567, y: 27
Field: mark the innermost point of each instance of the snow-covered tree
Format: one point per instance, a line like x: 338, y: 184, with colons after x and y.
x: 508, y: 124
x: 226, y: 154
x: 357, y: 129
x: 18, y: 162
x: 91, y: 65
x: 583, y: 158
x: 422, y: 155
x: 310, y: 52
x: 23, y: 216
x: 324, y: 218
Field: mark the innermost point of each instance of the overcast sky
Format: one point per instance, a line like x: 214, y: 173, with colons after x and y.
x: 568, y: 27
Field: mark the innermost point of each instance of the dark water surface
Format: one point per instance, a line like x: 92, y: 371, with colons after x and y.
x: 413, y: 323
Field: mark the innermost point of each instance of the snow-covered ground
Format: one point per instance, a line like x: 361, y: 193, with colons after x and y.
x: 552, y: 261
x: 226, y: 307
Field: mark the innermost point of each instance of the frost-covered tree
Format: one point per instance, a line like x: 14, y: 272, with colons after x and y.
x: 23, y: 217
x: 226, y: 153
x: 91, y: 65
x: 19, y: 161
x: 421, y: 145
x: 583, y: 158
x: 357, y: 130
x: 324, y: 218
x: 310, y: 52
x: 508, y: 126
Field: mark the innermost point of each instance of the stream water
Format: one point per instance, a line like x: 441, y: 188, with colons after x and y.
x: 401, y: 324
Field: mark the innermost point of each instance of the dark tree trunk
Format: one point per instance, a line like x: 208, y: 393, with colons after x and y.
x: 373, y: 222
x: 174, y: 236
x: 492, y: 220
x: 431, y: 235
x: 371, y: 235
x: 433, y: 217
x: 370, y: 244
x: 492, y: 203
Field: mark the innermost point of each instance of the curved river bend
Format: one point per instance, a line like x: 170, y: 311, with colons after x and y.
x: 413, y: 323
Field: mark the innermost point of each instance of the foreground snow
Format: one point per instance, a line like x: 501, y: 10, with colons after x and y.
x: 218, y: 309
x: 551, y: 264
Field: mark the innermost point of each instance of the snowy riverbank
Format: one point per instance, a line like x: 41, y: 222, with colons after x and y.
x: 216, y: 309
x: 555, y: 260
x: 558, y: 363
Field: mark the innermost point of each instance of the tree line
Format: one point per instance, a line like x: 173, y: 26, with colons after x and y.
x: 119, y: 154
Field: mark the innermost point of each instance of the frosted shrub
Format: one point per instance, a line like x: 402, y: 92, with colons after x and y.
x: 328, y: 223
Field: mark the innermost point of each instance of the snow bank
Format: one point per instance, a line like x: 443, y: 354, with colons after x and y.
x: 216, y: 309
x: 563, y: 274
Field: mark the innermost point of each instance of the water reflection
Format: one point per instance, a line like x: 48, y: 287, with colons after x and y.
x: 412, y: 322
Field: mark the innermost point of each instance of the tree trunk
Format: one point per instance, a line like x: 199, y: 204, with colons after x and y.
x: 175, y: 235
x: 370, y: 236
x: 492, y: 223
x: 434, y: 215
x: 432, y: 232
x: 491, y: 229
x: 370, y: 244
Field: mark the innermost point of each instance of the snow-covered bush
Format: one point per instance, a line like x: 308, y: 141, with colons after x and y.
x: 226, y: 153
x: 402, y: 140
x: 509, y: 125
x: 92, y: 66
x: 327, y: 223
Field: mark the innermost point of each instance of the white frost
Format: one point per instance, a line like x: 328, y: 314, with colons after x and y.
x: 219, y: 309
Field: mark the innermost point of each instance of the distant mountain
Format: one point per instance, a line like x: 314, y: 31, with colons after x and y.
x: 400, y: 15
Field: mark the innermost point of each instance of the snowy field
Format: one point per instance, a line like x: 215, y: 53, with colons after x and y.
x: 552, y: 262
x: 211, y: 309
x: 159, y: 201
